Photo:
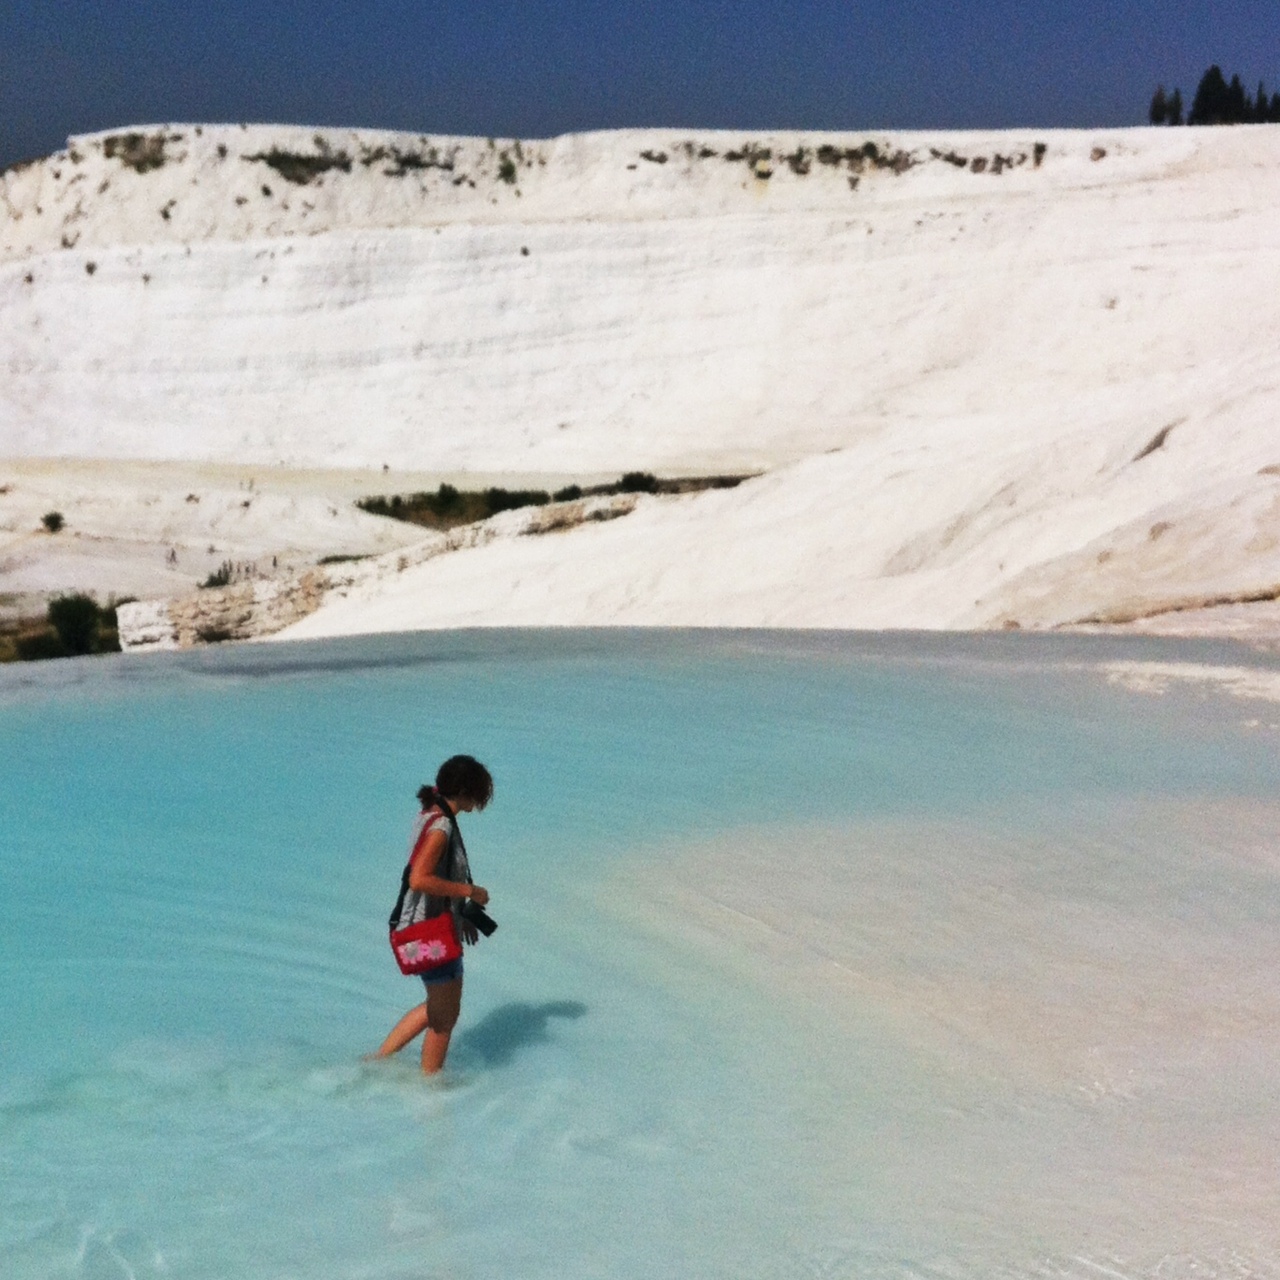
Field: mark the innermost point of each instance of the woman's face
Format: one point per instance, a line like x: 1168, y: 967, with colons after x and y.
x: 464, y: 804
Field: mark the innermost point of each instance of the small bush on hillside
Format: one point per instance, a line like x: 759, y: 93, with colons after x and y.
x: 221, y: 576
x: 447, y: 500
x: 137, y: 151
x: 73, y: 625
x: 109, y: 625
x: 403, y: 161
x: 76, y: 620
x: 449, y: 507
x: 52, y: 521
x: 798, y: 161
x: 511, y: 499
x: 299, y: 168
x: 35, y: 646
x: 507, y: 169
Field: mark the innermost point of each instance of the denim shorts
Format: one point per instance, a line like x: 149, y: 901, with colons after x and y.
x: 450, y: 972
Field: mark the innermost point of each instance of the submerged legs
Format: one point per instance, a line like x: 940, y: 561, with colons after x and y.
x: 437, y: 1018
x: 443, y: 1003
x: 412, y: 1024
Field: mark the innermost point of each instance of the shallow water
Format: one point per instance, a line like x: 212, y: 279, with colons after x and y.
x: 819, y: 956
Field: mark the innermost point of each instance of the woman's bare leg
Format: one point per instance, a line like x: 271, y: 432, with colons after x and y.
x: 412, y: 1024
x: 444, y: 1000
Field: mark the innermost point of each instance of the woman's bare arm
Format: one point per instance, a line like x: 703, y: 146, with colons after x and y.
x: 422, y: 871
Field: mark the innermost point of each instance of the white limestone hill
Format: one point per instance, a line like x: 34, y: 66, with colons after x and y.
x: 1018, y: 376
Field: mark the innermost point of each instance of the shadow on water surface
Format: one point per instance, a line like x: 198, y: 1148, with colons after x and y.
x: 500, y: 1035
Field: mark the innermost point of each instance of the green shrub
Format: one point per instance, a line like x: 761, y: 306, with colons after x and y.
x: 798, y: 161
x: 53, y: 521
x: 299, y: 168
x: 109, y: 624
x: 445, y: 501
x: 448, y: 507
x: 403, y: 162
x: 507, y: 169
x: 73, y: 625
x: 511, y: 499
x: 137, y: 151
x: 75, y: 619
x: 107, y: 612
x: 36, y: 645
x: 221, y: 576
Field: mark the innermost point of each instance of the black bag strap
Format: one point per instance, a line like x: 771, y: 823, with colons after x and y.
x: 394, y: 919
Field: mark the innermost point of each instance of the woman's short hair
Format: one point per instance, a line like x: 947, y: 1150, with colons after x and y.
x: 460, y: 776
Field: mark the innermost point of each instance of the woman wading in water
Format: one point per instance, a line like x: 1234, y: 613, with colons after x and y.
x: 439, y: 881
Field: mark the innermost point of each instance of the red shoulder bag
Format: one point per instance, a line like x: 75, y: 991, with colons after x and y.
x: 426, y: 945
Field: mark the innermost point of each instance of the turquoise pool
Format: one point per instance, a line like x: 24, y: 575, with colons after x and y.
x: 819, y: 956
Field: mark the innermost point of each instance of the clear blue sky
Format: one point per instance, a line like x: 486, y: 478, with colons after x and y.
x: 517, y: 67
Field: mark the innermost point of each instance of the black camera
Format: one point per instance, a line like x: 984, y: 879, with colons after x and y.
x: 475, y: 914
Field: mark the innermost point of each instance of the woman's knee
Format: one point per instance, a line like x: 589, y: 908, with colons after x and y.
x: 441, y: 1020
x: 443, y: 1005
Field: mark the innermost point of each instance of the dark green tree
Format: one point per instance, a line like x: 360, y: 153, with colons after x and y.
x: 1175, y: 108
x: 1237, y: 102
x: 1261, y: 105
x: 1158, y: 113
x: 1211, y: 104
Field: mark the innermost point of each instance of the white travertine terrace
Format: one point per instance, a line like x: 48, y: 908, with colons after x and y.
x: 1026, y: 377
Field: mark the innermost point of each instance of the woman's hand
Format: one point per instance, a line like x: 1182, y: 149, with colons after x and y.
x: 469, y: 934
x: 479, y: 896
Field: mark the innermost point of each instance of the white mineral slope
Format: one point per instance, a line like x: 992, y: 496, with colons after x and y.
x: 159, y: 529
x: 954, y: 373
x: 690, y: 314
x: 954, y: 525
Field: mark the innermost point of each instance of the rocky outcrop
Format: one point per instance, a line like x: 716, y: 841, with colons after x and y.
x: 253, y: 610
x: 210, y: 616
